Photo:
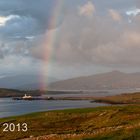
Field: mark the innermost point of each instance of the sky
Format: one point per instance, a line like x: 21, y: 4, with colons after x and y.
x: 69, y: 38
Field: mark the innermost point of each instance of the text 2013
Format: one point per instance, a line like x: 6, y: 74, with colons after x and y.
x: 11, y: 127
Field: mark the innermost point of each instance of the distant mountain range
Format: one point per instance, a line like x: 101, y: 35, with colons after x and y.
x: 25, y: 81
x: 110, y: 80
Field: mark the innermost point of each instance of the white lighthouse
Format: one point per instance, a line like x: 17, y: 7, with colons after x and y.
x: 26, y: 97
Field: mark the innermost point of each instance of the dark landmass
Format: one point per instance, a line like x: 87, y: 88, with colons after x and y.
x: 19, y: 93
x: 4, y: 93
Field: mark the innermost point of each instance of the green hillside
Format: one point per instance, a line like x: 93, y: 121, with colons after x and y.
x: 101, y: 123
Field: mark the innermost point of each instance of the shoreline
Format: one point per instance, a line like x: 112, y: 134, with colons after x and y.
x: 125, y: 98
x: 91, y: 99
x: 121, y: 100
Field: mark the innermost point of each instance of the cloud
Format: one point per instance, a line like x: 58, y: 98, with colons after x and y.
x: 115, y: 15
x: 87, y: 10
x: 98, y: 41
x: 122, y: 52
x: 78, y: 43
x: 19, y: 64
x: 133, y: 12
x: 21, y: 18
x: 4, y: 20
x: 15, y: 25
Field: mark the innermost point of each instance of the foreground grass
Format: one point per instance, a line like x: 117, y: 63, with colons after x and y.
x: 101, y: 123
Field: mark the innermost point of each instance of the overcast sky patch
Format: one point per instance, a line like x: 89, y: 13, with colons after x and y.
x: 93, y: 34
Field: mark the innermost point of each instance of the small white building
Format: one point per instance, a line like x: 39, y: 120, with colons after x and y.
x: 26, y: 97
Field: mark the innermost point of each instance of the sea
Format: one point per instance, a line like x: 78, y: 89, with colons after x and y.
x: 10, y: 107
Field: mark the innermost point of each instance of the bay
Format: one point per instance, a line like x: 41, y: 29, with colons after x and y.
x: 9, y: 107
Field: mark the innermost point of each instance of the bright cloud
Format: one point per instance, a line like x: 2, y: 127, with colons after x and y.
x: 133, y: 12
x: 87, y: 10
x: 4, y: 20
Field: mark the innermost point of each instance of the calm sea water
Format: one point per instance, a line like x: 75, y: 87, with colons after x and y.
x: 9, y: 107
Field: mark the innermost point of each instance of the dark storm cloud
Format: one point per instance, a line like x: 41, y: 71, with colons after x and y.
x: 34, y: 16
x: 19, y: 26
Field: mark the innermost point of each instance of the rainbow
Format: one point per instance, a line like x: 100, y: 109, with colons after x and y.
x: 49, y: 42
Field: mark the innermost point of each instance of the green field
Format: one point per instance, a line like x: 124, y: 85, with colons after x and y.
x: 101, y: 123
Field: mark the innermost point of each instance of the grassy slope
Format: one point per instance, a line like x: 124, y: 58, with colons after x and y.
x: 101, y: 123
x: 121, y: 99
